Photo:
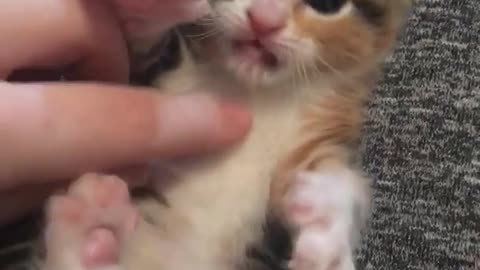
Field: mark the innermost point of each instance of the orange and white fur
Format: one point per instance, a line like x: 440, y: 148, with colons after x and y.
x: 305, y: 68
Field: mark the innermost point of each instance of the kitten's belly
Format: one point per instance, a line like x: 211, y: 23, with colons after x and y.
x: 217, y: 207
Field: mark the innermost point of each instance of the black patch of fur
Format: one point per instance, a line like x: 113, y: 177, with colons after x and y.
x: 144, y: 192
x: 168, y: 57
x: 273, y: 251
x: 373, y: 12
x: 17, y: 243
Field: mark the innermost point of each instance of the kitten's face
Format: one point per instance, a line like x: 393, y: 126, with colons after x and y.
x: 272, y: 40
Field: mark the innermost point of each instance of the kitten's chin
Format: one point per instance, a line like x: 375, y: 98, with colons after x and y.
x: 252, y: 64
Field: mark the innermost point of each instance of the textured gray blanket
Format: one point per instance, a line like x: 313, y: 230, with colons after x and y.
x: 422, y: 147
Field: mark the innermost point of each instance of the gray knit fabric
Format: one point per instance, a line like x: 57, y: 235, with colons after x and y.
x: 423, y: 145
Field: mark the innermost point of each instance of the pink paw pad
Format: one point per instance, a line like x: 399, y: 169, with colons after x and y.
x: 319, y: 206
x: 90, y: 222
x: 313, y: 200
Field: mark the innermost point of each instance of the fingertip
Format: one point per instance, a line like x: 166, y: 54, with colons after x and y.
x: 235, y: 121
x: 199, y: 123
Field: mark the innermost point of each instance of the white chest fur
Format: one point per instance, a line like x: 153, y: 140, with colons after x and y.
x: 223, y: 199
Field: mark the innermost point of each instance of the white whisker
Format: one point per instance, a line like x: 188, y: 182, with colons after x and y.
x: 337, y: 72
x: 201, y: 36
x: 346, y: 53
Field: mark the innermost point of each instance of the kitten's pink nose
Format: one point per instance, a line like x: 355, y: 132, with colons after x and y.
x: 267, y: 16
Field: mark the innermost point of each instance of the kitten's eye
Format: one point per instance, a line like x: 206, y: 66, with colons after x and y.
x: 326, y: 6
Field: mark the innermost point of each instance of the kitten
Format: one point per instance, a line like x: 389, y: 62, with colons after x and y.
x: 291, y: 196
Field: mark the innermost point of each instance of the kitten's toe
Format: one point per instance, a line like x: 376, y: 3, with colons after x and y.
x: 320, y: 207
x: 87, y: 226
x: 317, y: 250
x: 319, y: 199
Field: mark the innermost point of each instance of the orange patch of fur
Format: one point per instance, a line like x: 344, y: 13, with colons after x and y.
x: 331, y: 127
x: 342, y: 42
x: 333, y: 123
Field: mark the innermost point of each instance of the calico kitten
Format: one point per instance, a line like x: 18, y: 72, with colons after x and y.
x: 291, y: 196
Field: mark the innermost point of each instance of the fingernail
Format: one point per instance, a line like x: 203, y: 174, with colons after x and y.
x: 235, y: 120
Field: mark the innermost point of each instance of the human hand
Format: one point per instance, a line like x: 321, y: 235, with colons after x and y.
x: 54, y: 131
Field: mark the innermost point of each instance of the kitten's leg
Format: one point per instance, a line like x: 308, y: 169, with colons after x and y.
x: 321, y: 206
x: 326, y: 200
x: 88, y: 225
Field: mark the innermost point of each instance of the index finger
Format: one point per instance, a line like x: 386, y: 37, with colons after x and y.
x: 52, y: 131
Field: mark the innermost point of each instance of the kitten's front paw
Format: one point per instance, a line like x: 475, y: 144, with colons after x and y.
x: 320, y: 207
x: 88, y: 225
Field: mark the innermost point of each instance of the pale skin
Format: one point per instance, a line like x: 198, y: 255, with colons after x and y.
x: 47, y: 134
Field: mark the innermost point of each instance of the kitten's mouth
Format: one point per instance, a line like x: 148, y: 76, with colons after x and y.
x: 255, y: 51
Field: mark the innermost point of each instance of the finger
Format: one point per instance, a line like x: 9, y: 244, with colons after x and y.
x: 52, y: 131
x: 81, y: 36
x: 147, y: 19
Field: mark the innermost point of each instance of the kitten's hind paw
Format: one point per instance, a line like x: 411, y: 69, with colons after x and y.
x: 320, y: 207
x: 87, y: 226
x: 318, y: 250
